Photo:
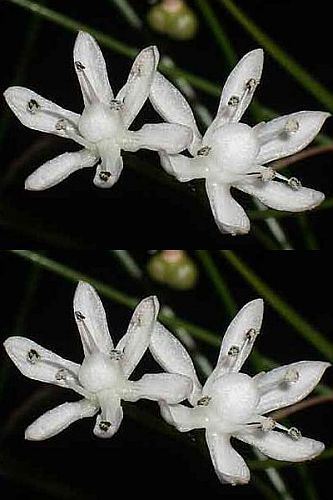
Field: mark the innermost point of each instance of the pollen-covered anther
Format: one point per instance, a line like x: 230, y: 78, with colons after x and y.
x: 251, y: 334
x: 33, y: 106
x: 79, y: 66
x: 79, y: 315
x: 104, y: 425
x: 268, y: 424
x: 33, y: 356
x: 291, y: 376
x: 233, y: 351
x: 294, y: 433
x: 204, y: 151
x: 116, y: 104
x: 204, y: 401
x: 116, y: 354
x: 233, y: 101
x: 104, y: 175
x: 64, y: 375
x: 268, y: 174
x: 251, y: 84
x: 62, y: 124
x: 291, y: 126
x: 294, y: 183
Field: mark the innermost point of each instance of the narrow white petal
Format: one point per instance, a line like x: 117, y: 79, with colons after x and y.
x: 282, y: 197
x: 229, y: 466
x: 283, y: 143
x: 183, y: 168
x: 58, y: 419
x: 169, y: 387
x: 136, y: 340
x: 277, y: 392
x: 229, y: 216
x: 137, y: 88
x: 172, y: 356
x: 88, y: 53
x: 249, y: 68
x: 38, y: 113
x: 91, y: 320
x: 168, y: 137
x: 36, y: 362
x: 170, y: 103
x: 249, y: 318
x: 56, y: 170
x: 111, y: 416
x: 111, y: 166
x: 183, y: 418
x: 280, y: 446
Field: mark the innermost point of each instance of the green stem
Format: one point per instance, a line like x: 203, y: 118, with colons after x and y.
x: 128, y: 12
x: 307, y: 331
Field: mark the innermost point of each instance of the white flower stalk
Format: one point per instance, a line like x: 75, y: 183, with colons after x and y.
x: 103, y: 377
x: 232, y: 404
x: 103, y: 127
x: 232, y: 154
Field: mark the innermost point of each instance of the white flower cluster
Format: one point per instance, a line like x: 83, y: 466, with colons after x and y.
x: 230, y: 404
x: 230, y: 154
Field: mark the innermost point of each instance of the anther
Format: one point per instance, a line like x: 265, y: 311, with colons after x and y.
x: 233, y: 101
x: 64, y: 375
x: 104, y: 425
x: 204, y: 401
x: 33, y: 106
x: 268, y: 424
x: 251, y: 84
x: 61, y: 124
x: 33, y: 356
x: 291, y: 126
x: 268, y: 174
x: 116, y: 354
x: 104, y: 175
x: 251, y: 334
x: 204, y: 151
x: 79, y: 315
x: 79, y: 66
x: 233, y: 351
x: 116, y: 104
x: 294, y: 433
x: 294, y: 183
x: 291, y: 376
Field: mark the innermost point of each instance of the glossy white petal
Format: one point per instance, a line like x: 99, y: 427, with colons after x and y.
x: 170, y: 103
x: 248, y: 69
x: 276, y: 142
x: 111, y: 166
x: 111, y: 416
x: 229, y: 216
x: 36, y: 362
x: 136, y: 90
x: 168, y: 137
x: 88, y: 53
x: 229, y: 466
x: 172, y: 356
x: 169, y: 387
x: 280, y: 446
x: 280, y: 196
x: 248, y: 319
x: 277, y: 392
x: 183, y: 418
x: 58, y: 419
x: 91, y: 320
x: 183, y: 168
x: 56, y: 170
x: 38, y: 113
x: 136, y: 340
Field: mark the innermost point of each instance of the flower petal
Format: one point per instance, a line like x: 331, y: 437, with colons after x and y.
x: 109, y: 170
x: 170, y: 103
x: 280, y: 446
x: 277, y: 392
x: 276, y: 142
x: 229, y: 466
x: 136, y: 90
x: 248, y: 69
x: 38, y: 113
x: 93, y: 69
x: 59, y: 418
x: 229, y: 216
x: 56, y: 170
x: 248, y: 319
x: 169, y: 387
x: 183, y: 418
x: 36, y: 362
x: 136, y: 340
x: 91, y: 320
x: 183, y: 168
x: 282, y: 197
x: 168, y: 137
x: 172, y: 356
x: 111, y: 416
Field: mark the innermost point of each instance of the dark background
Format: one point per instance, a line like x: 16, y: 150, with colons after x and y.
x: 75, y: 214
x: 140, y: 461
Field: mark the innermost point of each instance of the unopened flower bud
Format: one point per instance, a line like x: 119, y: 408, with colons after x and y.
x: 173, y: 268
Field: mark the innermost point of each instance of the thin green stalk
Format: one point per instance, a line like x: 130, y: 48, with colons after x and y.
x: 309, y: 489
x: 301, y: 75
x: 308, y: 235
x: 128, y: 12
x: 307, y: 331
x: 127, y: 261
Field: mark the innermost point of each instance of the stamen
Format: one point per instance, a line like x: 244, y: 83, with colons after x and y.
x: 234, y: 101
x: 116, y: 104
x: 251, y: 334
x: 33, y: 106
x: 65, y: 375
x: 71, y: 132
x: 291, y: 126
x: 91, y: 93
x: 104, y: 425
x: 204, y: 401
x: 204, y: 151
x: 251, y: 84
x: 88, y: 339
x: 33, y: 356
x: 116, y: 354
x: 294, y: 433
x: 79, y: 315
x: 268, y: 174
x: 79, y: 66
x: 268, y: 424
x: 294, y: 183
x: 233, y: 351
x: 291, y: 376
x: 104, y: 175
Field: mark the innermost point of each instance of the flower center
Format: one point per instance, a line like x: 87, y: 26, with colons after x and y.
x: 234, y: 147
x: 99, y: 372
x: 234, y: 397
x: 99, y: 121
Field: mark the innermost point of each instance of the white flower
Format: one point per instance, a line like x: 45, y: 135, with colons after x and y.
x: 232, y: 154
x: 103, y: 377
x: 232, y: 404
x: 102, y: 128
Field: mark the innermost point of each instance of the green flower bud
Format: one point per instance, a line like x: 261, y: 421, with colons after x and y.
x: 173, y: 268
x: 174, y: 18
